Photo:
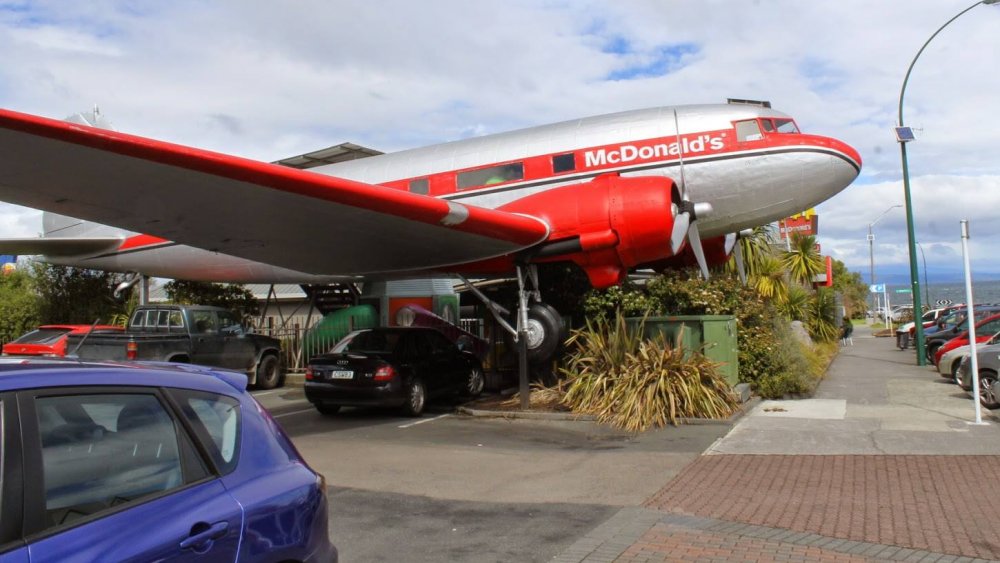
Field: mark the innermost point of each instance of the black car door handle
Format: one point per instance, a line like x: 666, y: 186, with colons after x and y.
x: 201, y: 535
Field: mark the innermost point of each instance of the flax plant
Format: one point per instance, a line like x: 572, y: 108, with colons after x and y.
x: 635, y: 383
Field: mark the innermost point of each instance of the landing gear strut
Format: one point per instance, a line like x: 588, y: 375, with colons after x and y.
x: 538, y: 326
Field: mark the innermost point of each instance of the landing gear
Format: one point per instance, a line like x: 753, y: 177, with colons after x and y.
x: 539, y: 327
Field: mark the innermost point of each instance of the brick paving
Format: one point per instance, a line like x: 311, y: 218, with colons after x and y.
x: 946, y: 505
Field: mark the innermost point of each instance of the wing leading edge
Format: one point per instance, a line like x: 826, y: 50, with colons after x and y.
x: 259, y: 211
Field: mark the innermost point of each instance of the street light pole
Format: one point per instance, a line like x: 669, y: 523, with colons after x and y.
x: 927, y: 286
x: 911, y: 238
x: 871, y: 252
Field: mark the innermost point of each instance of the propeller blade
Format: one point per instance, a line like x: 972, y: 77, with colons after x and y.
x: 738, y: 255
x: 679, y: 231
x: 694, y: 239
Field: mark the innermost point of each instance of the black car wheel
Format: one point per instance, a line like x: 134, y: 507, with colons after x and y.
x: 416, y: 397
x: 956, y: 377
x: 474, y: 383
x: 986, y: 397
x: 931, y: 350
x: 327, y: 409
x: 268, y: 374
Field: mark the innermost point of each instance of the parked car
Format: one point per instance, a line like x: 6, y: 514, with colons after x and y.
x: 131, y: 462
x: 50, y: 340
x: 905, y: 333
x: 988, y: 362
x: 195, y: 334
x: 950, y: 361
x: 985, y: 329
x: 394, y: 367
x: 953, y: 324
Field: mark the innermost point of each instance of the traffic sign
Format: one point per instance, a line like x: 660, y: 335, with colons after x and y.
x: 944, y: 302
x: 876, y: 288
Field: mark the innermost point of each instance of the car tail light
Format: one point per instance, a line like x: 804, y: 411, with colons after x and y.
x: 309, y: 373
x: 385, y: 373
x: 132, y: 350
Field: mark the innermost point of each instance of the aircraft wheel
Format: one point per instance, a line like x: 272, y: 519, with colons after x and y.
x: 545, y: 332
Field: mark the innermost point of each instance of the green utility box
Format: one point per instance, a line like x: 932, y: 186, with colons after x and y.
x: 713, y: 335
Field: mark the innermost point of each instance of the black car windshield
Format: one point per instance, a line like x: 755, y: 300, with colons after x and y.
x: 369, y: 341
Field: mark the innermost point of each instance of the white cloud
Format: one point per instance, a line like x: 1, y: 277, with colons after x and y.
x: 268, y: 80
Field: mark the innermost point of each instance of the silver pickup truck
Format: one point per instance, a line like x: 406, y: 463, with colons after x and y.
x: 195, y: 334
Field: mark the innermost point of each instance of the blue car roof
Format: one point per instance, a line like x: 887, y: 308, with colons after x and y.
x: 32, y: 373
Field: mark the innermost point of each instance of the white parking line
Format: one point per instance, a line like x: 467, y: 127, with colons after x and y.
x: 262, y: 393
x: 294, y: 412
x: 423, y: 420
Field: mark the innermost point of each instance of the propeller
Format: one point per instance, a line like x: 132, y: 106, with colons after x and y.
x: 734, y: 246
x: 687, y: 213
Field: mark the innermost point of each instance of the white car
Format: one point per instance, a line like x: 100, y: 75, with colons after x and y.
x: 948, y: 366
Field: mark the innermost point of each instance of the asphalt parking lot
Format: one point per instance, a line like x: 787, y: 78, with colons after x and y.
x: 450, y: 487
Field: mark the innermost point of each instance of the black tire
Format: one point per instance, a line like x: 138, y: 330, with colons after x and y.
x: 416, y: 397
x: 268, y: 373
x: 986, y: 397
x: 474, y: 382
x: 545, y: 332
x: 326, y: 409
x: 931, y: 350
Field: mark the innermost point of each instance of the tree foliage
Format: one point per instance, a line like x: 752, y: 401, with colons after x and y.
x: 235, y: 297
x: 76, y: 295
x: 803, y: 262
x: 19, y: 305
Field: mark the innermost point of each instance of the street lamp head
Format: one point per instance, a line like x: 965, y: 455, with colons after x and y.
x: 988, y: 2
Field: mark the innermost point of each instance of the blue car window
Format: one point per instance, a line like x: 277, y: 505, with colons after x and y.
x: 101, y: 451
x: 216, y: 419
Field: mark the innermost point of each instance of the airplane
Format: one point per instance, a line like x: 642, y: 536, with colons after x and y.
x: 609, y: 193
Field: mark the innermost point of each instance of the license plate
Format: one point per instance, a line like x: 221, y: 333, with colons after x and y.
x: 341, y: 374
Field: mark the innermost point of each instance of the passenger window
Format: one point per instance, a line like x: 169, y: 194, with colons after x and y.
x: 138, y: 319
x: 102, y: 451
x: 420, y: 186
x: 491, y: 175
x: 229, y: 324
x: 216, y: 419
x: 563, y: 163
x: 204, y: 322
x: 748, y: 131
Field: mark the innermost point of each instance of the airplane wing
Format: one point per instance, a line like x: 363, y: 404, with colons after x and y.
x: 51, y: 246
x: 273, y: 214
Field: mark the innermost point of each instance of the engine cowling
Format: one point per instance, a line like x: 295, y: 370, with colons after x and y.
x: 607, y: 226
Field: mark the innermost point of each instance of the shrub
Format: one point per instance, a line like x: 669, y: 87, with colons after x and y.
x: 636, y: 384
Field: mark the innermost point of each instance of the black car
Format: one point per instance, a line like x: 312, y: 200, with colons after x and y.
x: 395, y: 367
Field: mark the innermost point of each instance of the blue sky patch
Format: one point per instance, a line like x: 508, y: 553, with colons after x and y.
x: 658, y: 61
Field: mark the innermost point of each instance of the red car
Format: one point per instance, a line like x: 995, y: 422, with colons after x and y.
x: 50, y: 340
x: 985, y: 329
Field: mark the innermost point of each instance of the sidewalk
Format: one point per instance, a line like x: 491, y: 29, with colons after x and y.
x: 881, y: 465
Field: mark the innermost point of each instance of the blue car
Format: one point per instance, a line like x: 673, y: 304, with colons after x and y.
x: 127, y: 462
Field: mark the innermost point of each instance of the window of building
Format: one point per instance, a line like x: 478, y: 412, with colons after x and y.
x: 563, y: 162
x: 748, y: 131
x: 492, y: 175
x: 420, y: 186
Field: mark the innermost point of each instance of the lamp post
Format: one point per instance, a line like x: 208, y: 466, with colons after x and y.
x: 905, y: 135
x: 927, y: 286
x: 871, y: 252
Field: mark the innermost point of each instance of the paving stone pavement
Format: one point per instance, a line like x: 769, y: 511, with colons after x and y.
x: 880, y: 467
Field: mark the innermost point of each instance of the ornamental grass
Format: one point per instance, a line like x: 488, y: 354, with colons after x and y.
x: 635, y: 383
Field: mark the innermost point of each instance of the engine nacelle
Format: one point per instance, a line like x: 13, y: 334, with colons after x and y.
x: 606, y: 226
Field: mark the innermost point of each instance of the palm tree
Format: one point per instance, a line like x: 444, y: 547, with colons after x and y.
x: 756, y: 246
x: 803, y: 261
x: 769, y: 281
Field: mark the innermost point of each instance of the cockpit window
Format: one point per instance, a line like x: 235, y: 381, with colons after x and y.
x: 786, y: 126
x: 748, y: 131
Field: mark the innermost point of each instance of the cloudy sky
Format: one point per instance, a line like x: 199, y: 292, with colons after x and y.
x: 268, y: 80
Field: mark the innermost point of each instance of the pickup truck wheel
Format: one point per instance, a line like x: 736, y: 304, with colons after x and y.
x: 416, y: 397
x: 268, y: 374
